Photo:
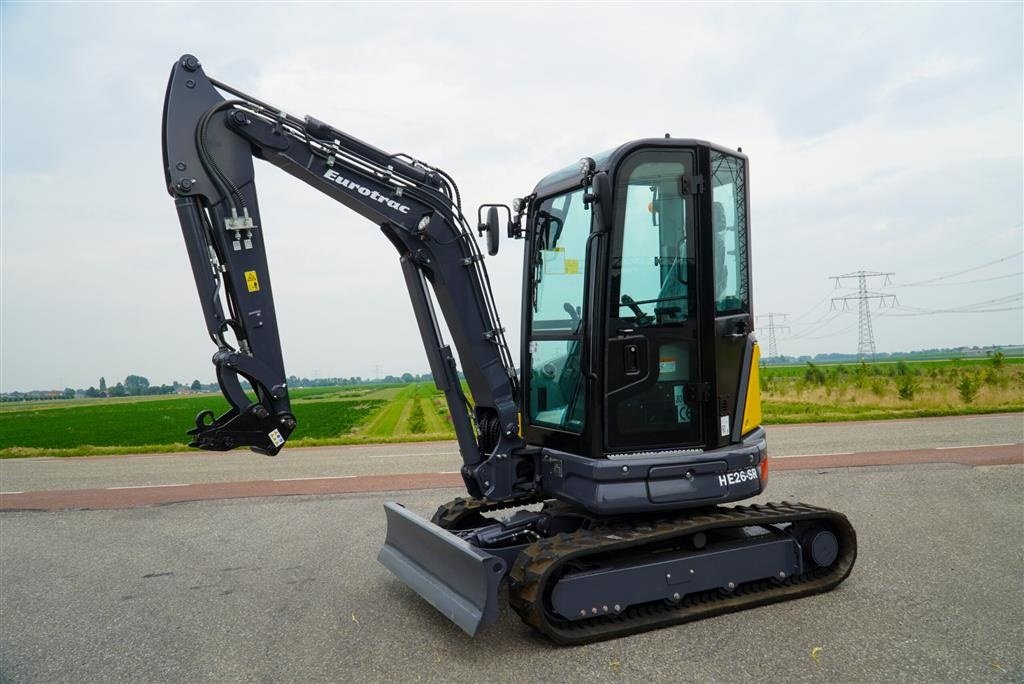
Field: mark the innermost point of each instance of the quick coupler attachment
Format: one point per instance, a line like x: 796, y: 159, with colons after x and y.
x: 457, y: 578
x: 254, y: 427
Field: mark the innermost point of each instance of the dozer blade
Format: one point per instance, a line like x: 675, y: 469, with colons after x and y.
x: 454, y: 576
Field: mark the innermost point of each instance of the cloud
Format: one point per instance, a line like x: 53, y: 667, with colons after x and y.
x: 885, y: 137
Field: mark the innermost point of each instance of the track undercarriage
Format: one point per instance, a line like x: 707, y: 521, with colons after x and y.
x: 579, y: 578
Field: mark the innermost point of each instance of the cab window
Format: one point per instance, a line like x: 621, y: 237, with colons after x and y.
x: 729, y: 228
x: 651, y: 274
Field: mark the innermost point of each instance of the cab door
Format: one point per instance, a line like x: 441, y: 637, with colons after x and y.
x: 654, y: 396
x: 730, y: 235
x: 556, y: 273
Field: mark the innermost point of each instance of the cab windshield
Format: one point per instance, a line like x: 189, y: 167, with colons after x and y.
x: 559, y: 247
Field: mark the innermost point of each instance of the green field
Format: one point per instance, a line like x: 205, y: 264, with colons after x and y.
x: 898, y: 389
x: 889, y: 367
x: 417, y: 412
x: 325, y: 415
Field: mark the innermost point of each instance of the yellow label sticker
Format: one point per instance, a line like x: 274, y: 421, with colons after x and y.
x: 251, y: 282
x: 572, y: 266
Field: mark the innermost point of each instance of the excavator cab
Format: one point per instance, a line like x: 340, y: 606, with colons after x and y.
x: 636, y: 324
x: 627, y: 285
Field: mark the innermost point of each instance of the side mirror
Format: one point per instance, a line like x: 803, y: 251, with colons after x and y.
x: 491, y: 224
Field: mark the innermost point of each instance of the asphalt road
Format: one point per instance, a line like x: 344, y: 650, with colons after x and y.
x: 37, y: 474
x: 287, y: 588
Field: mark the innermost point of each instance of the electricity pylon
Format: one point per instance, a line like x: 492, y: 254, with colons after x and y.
x: 866, y: 335
x: 774, y: 324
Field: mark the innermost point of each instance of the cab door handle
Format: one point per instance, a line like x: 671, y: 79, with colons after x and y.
x: 741, y: 331
x: 631, y: 359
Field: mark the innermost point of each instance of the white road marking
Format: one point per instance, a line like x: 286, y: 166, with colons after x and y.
x: 149, y: 486
x: 426, y: 453
x: 12, y: 492
x: 149, y: 458
x: 332, y: 477
x: 851, y: 453
x: 448, y: 472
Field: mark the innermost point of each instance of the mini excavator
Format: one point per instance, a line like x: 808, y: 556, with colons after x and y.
x: 596, y: 472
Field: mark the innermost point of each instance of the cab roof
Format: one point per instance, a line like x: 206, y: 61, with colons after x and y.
x: 570, y: 176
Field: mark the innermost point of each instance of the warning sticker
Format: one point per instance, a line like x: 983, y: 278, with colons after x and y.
x: 682, y: 410
x: 667, y: 365
x: 725, y: 426
x: 252, y: 283
x: 275, y: 437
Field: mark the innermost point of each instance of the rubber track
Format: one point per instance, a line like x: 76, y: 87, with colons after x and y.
x: 530, y: 579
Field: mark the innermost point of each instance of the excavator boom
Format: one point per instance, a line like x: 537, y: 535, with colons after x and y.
x: 209, y: 144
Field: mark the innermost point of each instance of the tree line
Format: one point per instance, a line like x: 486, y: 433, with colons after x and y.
x: 131, y: 386
x: 139, y: 385
x: 921, y: 354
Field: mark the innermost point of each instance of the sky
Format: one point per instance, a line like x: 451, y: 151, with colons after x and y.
x: 881, y: 137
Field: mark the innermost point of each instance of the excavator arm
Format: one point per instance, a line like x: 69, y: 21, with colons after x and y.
x: 209, y: 142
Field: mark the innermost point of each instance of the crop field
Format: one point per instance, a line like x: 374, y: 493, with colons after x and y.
x: 417, y: 412
x: 888, y: 367
x: 325, y: 415
x: 901, y: 389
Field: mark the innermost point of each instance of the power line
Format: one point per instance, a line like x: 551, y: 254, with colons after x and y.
x: 824, y: 319
x: 962, y: 282
x: 988, y: 302
x: 813, y: 308
x: 953, y: 311
x: 866, y: 334
x: 976, y: 307
x: 834, y: 334
x: 814, y: 329
x: 966, y: 270
x: 828, y: 319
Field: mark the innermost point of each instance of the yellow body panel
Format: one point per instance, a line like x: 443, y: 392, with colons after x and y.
x: 752, y: 408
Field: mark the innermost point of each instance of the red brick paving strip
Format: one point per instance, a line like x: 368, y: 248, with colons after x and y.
x: 148, y: 496
x: 1004, y: 454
